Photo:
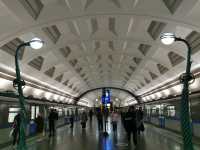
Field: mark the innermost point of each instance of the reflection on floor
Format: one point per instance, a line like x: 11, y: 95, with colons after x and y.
x: 88, y: 139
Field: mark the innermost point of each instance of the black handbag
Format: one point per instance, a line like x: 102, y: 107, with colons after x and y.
x: 142, y: 127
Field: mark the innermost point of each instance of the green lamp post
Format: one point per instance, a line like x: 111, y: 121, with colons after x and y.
x: 167, y: 39
x: 35, y: 43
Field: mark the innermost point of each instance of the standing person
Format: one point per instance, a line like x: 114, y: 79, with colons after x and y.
x: 106, y: 115
x: 53, y: 116
x: 84, y: 120
x: 71, y: 119
x: 114, y: 118
x: 130, y: 124
x: 91, y: 114
x: 76, y: 114
x: 40, y: 123
x: 100, y: 120
x: 140, y: 125
x: 16, y: 129
x: 122, y: 117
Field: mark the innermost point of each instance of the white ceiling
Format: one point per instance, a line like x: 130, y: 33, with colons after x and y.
x: 104, y: 37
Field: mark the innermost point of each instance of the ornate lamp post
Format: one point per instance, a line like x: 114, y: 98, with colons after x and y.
x: 167, y: 39
x: 35, y: 43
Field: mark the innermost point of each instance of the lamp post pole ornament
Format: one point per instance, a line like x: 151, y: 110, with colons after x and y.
x: 185, y: 108
x: 19, y: 83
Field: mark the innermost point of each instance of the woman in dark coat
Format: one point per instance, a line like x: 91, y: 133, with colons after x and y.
x: 130, y: 124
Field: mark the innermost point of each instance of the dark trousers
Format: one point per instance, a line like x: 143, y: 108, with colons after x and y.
x: 71, y: 124
x: 134, y: 132
x: 100, y: 124
x: 15, y: 137
x: 51, y: 128
x: 114, y: 124
x: 83, y: 125
x: 90, y: 118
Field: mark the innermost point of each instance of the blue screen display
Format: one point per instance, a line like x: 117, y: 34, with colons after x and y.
x: 105, y: 96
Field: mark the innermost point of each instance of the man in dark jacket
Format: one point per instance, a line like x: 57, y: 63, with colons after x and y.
x: 91, y: 115
x: 53, y: 116
x: 140, y: 125
x: 100, y: 120
x: 71, y: 119
x: 130, y: 124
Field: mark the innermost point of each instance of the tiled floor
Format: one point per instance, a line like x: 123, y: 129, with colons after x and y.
x: 90, y: 139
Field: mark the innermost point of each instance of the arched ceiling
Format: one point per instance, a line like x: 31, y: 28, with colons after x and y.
x: 96, y: 43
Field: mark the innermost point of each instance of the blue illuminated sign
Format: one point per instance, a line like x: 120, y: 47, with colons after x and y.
x: 105, y: 96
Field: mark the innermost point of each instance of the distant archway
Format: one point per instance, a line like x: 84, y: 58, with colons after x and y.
x: 116, y: 88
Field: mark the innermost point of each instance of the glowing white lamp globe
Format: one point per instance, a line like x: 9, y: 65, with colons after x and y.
x: 36, y: 43
x: 167, y: 38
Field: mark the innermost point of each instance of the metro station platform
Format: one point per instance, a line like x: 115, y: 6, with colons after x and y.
x: 77, y: 139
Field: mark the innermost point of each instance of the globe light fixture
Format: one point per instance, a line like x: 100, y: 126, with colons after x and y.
x: 36, y: 43
x: 167, y: 38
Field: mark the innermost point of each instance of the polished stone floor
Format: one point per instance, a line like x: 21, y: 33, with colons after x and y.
x: 90, y: 139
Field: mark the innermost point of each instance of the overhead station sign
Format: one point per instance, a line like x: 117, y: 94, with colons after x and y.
x: 105, y: 96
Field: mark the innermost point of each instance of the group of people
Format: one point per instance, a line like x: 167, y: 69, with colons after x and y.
x: 15, y: 130
x: 83, y: 119
x: 132, y: 121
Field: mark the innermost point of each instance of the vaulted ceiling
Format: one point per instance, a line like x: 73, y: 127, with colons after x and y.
x: 97, y: 43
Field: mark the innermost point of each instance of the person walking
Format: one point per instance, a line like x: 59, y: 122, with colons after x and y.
x: 114, y: 119
x: 16, y: 129
x: 71, y: 119
x: 53, y: 116
x: 130, y: 124
x: 90, y: 115
x: 100, y: 120
x: 84, y: 120
x: 140, y: 124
